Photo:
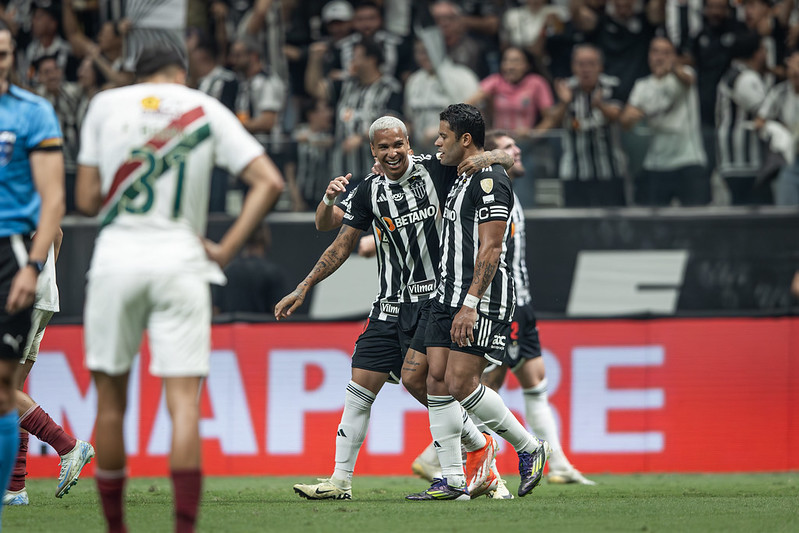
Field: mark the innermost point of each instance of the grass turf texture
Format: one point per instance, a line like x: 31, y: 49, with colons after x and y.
x: 701, y: 503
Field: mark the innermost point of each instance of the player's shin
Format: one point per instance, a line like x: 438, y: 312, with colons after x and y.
x: 446, y: 422
x: 351, y: 432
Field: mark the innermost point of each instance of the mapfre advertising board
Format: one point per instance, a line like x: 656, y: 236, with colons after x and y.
x: 671, y: 395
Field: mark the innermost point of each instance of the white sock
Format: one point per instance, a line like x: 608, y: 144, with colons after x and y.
x: 479, y: 423
x: 471, y: 436
x: 540, y: 417
x: 351, y: 432
x: 446, y: 424
x: 489, y: 407
x: 429, y: 454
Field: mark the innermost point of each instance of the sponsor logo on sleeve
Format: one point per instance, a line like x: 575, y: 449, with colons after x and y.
x: 488, y: 199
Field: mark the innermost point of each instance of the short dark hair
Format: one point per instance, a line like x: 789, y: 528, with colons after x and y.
x: 372, y: 49
x: 368, y: 4
x: 37, y: 63
x: 746, y: 45
x: 492, y: 136
x: 156, y: 58
x: 465, y: 118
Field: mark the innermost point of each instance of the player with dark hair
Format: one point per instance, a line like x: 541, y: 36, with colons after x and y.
x: 147, y: 152
x: 401, y: 208
x: 471, y: 312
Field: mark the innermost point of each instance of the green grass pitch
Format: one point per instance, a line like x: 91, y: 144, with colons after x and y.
x: 701, y: 503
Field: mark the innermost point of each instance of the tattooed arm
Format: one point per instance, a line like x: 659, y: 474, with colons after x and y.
x: 485, y: 266
x: 483, y: 160
x: 331, y: 259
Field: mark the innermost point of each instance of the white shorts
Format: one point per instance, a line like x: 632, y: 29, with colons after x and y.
x: 175, y: 309
x: 39, y: 320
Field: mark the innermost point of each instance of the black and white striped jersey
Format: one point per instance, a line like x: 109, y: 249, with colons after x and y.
x: 591, y: 144
x: 740, y: 94
x: 405, y: 218
x: 517, y: 249
x: 483, y: 197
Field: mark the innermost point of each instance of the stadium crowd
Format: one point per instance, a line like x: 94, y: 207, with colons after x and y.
x: 614, y: 102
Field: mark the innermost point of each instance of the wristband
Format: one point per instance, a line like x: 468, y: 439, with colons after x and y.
x: 471, y: 301
x: 328, y: 203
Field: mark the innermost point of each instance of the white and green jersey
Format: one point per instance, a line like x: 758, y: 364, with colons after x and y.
x: 155, y: 146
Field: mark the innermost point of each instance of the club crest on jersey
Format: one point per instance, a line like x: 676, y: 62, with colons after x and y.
x: 417, y: 188
x: 487, y: 185
x: 151, y: 103
x: 7, y: 141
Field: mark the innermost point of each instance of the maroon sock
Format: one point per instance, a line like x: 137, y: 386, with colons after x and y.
x: 187, y: 485
x: 111, y: 487
x: 18, y: 474
x: 40, y: 425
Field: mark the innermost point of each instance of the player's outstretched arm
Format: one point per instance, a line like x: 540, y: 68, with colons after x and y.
x: 266, y: 184
x: 328, y: 214
x: 490, y: 236
x: 331, y: 259
x: 472, y: 164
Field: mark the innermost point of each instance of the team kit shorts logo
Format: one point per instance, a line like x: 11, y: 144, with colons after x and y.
x: 389, y: 308
x: 498, y: 342
x: 7, y: 141
x: 418, y: 215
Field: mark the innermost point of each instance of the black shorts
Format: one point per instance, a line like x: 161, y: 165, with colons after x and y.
x: 417, y: 343
x: 490, y: 336
x: 523, y: 339
x: 18, y: 325
x: 383, y: 344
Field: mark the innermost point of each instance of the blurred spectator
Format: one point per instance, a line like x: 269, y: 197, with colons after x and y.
x: 438, y: 83
x: 210, y: 77
x: 47, y: 42
x: 462, y: 48
x: 147, y: 23
x: 337, y: 21
x: 65, y: 97
x: 525, y: 26
x: 264, y: 24
x: 217, y: 81
x: 254, y: 283
x: 623, y: 36
x: 309, y: 173
x: 106, y: 53
x: 711, y: 54
x: 668, y: 100
x: 359, y: 100
x: 516, y: 97
x: 782, y: 104
x: 684, y: 22
x: 367, y: 23
x: 771, y: 23
x: 593, y: 165
x: 481, y: 18
x: 740, y: 93
x: 261, y: 96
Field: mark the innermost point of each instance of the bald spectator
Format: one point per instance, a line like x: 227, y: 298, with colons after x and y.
x: 667, y: 99
x: 593, y: 166
x: 461, y: 47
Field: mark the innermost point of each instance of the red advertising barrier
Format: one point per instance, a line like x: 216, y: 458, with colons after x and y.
x: 671, y: 395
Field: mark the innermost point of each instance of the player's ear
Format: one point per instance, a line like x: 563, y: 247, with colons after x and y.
x: 466, y: 139
x: 372, y: 148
